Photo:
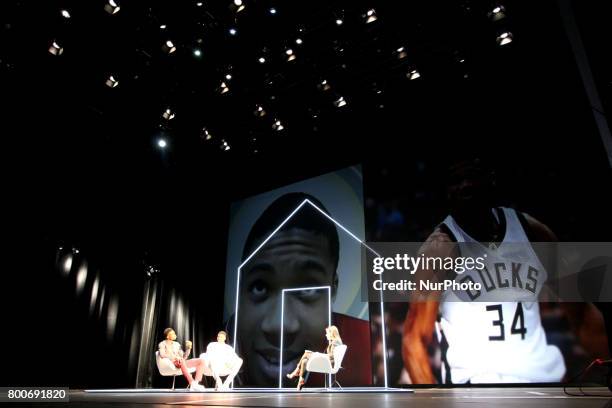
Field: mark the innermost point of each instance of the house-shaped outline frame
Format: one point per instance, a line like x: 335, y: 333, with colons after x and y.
x: 278, y: 228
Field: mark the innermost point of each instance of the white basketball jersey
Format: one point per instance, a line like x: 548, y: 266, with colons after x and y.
x: 491, y: 342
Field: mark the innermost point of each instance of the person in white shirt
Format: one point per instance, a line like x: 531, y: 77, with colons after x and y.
x: 170, y: 349
x: 222, y: 361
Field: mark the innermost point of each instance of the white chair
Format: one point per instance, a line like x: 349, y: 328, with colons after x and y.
x: 167, y: 368
x: 320, y: 363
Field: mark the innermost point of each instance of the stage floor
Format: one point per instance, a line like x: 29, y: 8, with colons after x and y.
x: 429, y: 398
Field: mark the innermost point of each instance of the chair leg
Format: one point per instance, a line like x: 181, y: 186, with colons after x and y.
x: 173, y: 380
x: 335, y: 378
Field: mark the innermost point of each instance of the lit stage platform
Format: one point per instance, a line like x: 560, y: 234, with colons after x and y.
x: 350, y: 397
x: 334, y: 390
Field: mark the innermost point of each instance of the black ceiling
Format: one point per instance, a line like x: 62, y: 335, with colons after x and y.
x: 465, y: 76
x: 74, y: 138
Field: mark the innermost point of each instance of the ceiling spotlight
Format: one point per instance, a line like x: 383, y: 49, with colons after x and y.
x: 55, y: 49
x: 162, y: 143
x: 259, y: 111
x: 237, y: 6
x: 199, y: 4
x: 168, y: 47
x: 262, y: 60
x: 168, y: 114
x: 223, y: 88
x: 299, y: 41
x: 497, y: 13
x: 371, y: 16
x: 339, y: 21
x: 205, y: 134
x: 401, y: 53
x: 272, y: 10
x: 413, y: 74
x: 151, y: 270
x: 504, y: 38
x: 111, y: 82
x: 111, y: 7
x: 324, y: 85
x: 233, y: 31
x: 228, y: 76
x: 65, y: 13
x: 162, y: 27
x: 224, y: 145
x: 290, y: 54
x: 277, y: 125
x: 197, y: 53
x: 340, y: 102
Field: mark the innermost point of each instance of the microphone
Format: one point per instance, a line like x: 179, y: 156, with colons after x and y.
x: 605, y: 363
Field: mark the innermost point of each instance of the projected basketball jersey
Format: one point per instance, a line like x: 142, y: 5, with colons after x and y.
x: 492, y: 342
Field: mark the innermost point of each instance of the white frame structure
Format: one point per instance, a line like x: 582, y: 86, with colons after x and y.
x: 282, y: 325
x: 307, y: 201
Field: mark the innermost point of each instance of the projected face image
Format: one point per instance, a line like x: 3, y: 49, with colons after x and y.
x: 469, y: 186
x: 292, y: 258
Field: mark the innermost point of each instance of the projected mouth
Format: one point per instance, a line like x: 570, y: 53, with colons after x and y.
x: 268, y: 360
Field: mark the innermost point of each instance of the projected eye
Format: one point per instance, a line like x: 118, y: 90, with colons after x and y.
x: 258, y: 290
x: 308, y: 294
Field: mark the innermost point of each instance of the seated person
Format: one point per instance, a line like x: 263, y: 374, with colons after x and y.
x: 170, y: 350
x: 222, y: 360
x: 333, y: 338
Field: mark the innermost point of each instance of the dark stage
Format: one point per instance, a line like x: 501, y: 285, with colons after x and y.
x: 438, y: 398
